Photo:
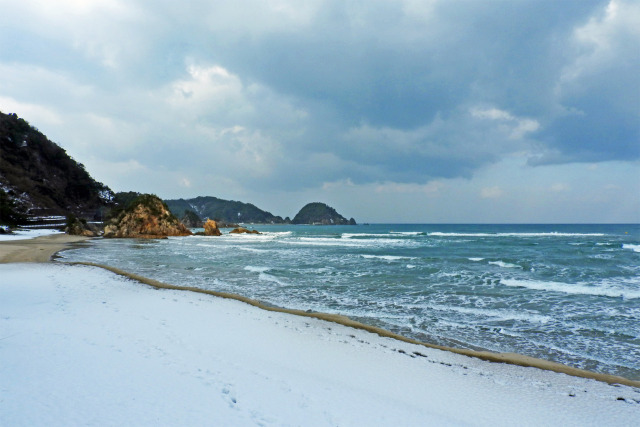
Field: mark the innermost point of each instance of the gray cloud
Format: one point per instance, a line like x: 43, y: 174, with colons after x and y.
x: 294, y: 94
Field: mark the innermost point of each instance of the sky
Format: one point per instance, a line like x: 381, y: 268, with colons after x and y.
x: 418, y: 111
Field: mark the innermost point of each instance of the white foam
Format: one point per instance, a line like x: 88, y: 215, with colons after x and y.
x: 257, y: 269
x: 355, y: 243
x: 604, y: 289
x: 352, y: 235
x: 387, y: 257
x: 495, y: 313
x: 549, y: 234
x: 255, y: 250
x: 504, y: 264
x: 475, y: 259
x: 634, y: 248
x: 263, y: 276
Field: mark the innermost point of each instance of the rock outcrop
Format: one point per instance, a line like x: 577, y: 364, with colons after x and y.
x: 79, y: 227
x: 211, y: 228
x: 146, y: 217
x: 241, y: 230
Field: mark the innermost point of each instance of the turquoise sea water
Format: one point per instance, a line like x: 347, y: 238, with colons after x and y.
x: 568, y: 293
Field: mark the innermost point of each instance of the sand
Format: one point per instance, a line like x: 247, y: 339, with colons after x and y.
x: 40, y: 249
x: 81, y: 345
x: 43, y: 249
x: 105, y: 349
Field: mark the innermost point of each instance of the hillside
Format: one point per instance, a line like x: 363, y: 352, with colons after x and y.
x: 40, y: 177
x: 228, y: 211
x: 320, y: 213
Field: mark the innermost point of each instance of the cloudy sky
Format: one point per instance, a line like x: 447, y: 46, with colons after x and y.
x: 390, y: 111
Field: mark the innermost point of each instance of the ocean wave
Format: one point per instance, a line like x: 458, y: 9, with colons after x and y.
x: 352, y: 235
x: 254, y: 250
x: 496, y: 314
x: 254, y: 269
x: 390, y: 235
x: 634, y: 248
x: 549, y: 234
x: 387, y: 257
x: 603, y: 289
x: 475, y: 259
x: 504, y: 264
x: 263, y: 276
x: 356, y: 243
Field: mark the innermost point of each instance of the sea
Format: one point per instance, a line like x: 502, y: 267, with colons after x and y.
x: 566, y: 293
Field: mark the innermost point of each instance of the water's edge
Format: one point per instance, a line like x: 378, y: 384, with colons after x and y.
x: 507, y: 358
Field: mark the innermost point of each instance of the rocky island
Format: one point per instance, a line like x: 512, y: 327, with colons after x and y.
x: 320, y: 214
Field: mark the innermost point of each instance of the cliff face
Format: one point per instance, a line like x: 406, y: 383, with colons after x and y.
x: 322, y: 214
x: 37, y: 174
x: 146, y: 217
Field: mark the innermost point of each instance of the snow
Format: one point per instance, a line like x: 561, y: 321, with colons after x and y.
x: 82, y: 346
x: 28, y: 234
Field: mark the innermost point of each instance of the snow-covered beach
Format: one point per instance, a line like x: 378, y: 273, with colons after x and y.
x: 80, y: 345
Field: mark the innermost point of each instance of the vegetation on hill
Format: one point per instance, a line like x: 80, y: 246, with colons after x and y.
x: 36, y: 173
x: 320, y: 213
x: 191, y: 219
x: 10, y: 213
x: 227, y: 211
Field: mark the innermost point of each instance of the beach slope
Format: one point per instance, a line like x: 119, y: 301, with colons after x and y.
x: 23, y: 248
x: 82, y: 345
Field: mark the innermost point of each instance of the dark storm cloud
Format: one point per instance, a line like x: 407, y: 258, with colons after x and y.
x: 297, y: 93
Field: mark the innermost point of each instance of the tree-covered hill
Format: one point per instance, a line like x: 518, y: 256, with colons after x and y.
x: 36, y: 174
x: 228, y: 211
x: 321, y: 213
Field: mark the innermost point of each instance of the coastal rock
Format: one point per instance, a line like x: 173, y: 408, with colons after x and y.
x: 79, y: 227
x: 211, y: 228
x: 241, y: 230
x: 146, y: 217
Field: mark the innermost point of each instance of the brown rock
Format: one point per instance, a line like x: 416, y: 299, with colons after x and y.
x: 240, y: 230
x: 146, y: 217
x: 211, y: 228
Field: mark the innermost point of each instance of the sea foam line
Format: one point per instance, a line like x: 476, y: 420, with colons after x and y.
x: 550, y: 234
x: 578, y: 288
x: 634, y: 248
x: 387, y: 257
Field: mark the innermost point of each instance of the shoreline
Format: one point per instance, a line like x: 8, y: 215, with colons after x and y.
x: 38, y: 249
x: 45, y: 248
x: 505, y: 358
